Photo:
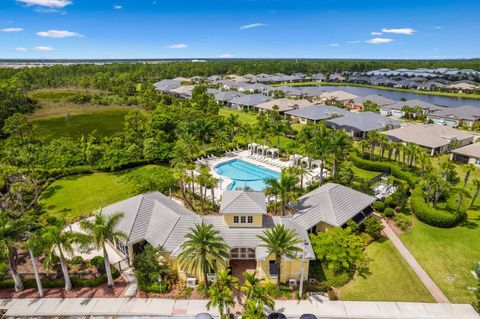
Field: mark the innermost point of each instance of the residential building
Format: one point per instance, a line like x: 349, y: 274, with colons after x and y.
x: 340, y: 96
x: 375, y: 98
x: 358, y: 124
x: 160, y: 221
x: 315, y: 113
x: 331, y: 205
x: 248, y: 101
x: 435, y: 138
x: 456, y: 116
x: 469, y: 154
x: 184, y: 91
x: 397, y: 109
x: 282, y: 105
x: 165, y: 86
x: 224, y: 97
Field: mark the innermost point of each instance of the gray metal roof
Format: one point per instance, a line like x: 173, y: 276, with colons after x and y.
x: 375, y: 98
x: 363, y: 121
x: 466, y: 112
x: 317, y: 112
x: 243, y: 202
x: 155, y: 218
x: 225, y: 96
x: 331, y: 203
x: 167, y: 85
x: 250, y: 99
x: 413, y: 103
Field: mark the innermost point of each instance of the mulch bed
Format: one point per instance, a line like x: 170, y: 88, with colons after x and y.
x: 102, y: 291
x: 394, y: 226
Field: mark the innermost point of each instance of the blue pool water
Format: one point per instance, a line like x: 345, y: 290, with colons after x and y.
x: 245, y: 174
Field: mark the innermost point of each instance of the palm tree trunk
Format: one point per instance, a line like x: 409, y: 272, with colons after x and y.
x: 205, y: 280
x: 37, y: 275
x: 108, y: 269
x: 12, y: 265
x: 321, y: 172
x: 475, y: 195
x: 278, y: 260
x: 66, y: 275
x: 283, y: 206
x: 193, y: 181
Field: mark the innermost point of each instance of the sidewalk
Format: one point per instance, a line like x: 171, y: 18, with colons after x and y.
x: 414, y: 264
x: 166, y: 308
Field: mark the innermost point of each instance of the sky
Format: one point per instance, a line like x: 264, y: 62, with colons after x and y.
x: 116, y: 29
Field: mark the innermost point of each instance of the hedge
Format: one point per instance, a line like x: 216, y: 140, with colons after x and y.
x: 430, y: 215
x: 379, y: 206
x: 77, y: 282
x: 385, y: 167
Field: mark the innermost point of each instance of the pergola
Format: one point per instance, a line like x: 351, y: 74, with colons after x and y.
x: 305, y: 161
x: 261, y: 149
x: 295, y: 158
x: 272, y: 151
x: 252, y: 147
x: 316, y: 164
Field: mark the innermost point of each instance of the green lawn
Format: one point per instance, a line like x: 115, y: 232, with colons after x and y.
x: 448, y: 252
x: 247, y: 118
x: 106, y: 122
x: 79, y: 195
x: 361, y: 173
x: 390, y: 278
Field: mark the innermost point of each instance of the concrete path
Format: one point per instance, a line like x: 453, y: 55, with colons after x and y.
x: 167, y: 308
x: 414, y: 264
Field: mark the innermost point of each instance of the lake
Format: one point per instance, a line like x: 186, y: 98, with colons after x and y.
x: 394, y: 95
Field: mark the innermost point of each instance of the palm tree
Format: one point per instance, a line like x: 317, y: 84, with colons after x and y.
x: 363, y: 145
x: 204, y: 129
x: 260, y: 296
x: 11, y: 232
x: 202, y: 250
x: 280, y: 242
x: 249, y: 133
x: 372, y: 138
x: 100, y: 231
x: 339, y: 145
x: 221, y: 293
x: 233, y: 125
x: 285, y: 188
x: 34, y: 245
x: 476, y: 184
x: 468, y: 170
x: 57, y: 240
x: 272, y: 189
x: 461, y: 193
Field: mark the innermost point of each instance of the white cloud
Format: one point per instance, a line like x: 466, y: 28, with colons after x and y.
x: 251, y: 26
x: 404, y: 31
x: 438, y: 27
x: 10, y: 30
x: 47, y: 3
x: 334, y: 45
x: 58, y: 34
x: 354, y: 41
x: 379, y: 41
x: 118, y: 7
x: 42, y: 48
x: 177, y: 46
x: 21, y: 49
x: 225, y: 56
x: 376, y: 33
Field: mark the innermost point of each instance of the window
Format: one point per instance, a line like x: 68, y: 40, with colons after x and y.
x: 477, y: 161
x: 273, y: 268
x: 250, y: 219
x: 242, y: 253
x: 235, y: 219
x: 243, y: 219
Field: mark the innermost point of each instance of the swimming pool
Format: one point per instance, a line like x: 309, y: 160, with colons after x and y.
x: 245, y: 174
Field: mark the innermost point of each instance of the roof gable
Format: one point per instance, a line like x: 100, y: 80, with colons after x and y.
x: 243, y: 202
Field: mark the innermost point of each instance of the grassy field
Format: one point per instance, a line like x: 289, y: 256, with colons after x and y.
x: 448, y: 255
x: 107, y: 122
x: 390, y: 278
x: 462, y: 95
x: 361, y: 173
x: 74, y: 197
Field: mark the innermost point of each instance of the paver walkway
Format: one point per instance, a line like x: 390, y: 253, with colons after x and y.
x: 414, y: 264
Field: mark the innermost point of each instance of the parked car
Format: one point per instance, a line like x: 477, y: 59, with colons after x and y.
x: 276, y: 315
x: 308, y: 316
x: 203, y: 315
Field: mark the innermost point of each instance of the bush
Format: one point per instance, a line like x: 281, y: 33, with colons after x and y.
x: 156, y: 288
x: 379, y: 206
x: 385, y: 167
x: 373, y: 227
x: 99, y: 263
x: 77, y: 260
x: 431, y: 216
x: 332, y: 295
x: 388, y: 212
x: 3, y: 269
x: 402, y: 222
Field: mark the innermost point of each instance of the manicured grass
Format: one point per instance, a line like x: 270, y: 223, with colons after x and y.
x: 247, y: 118
x: 390, y: 278
x: 107, y: 122
x: 361, y: 173
x: 439, y: 93
x: 77, y: 196
x: 448, y: 252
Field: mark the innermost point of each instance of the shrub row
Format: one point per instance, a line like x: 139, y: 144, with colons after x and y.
x: 430, y: 215
x: 385, y: 167
x: 77, y: 282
